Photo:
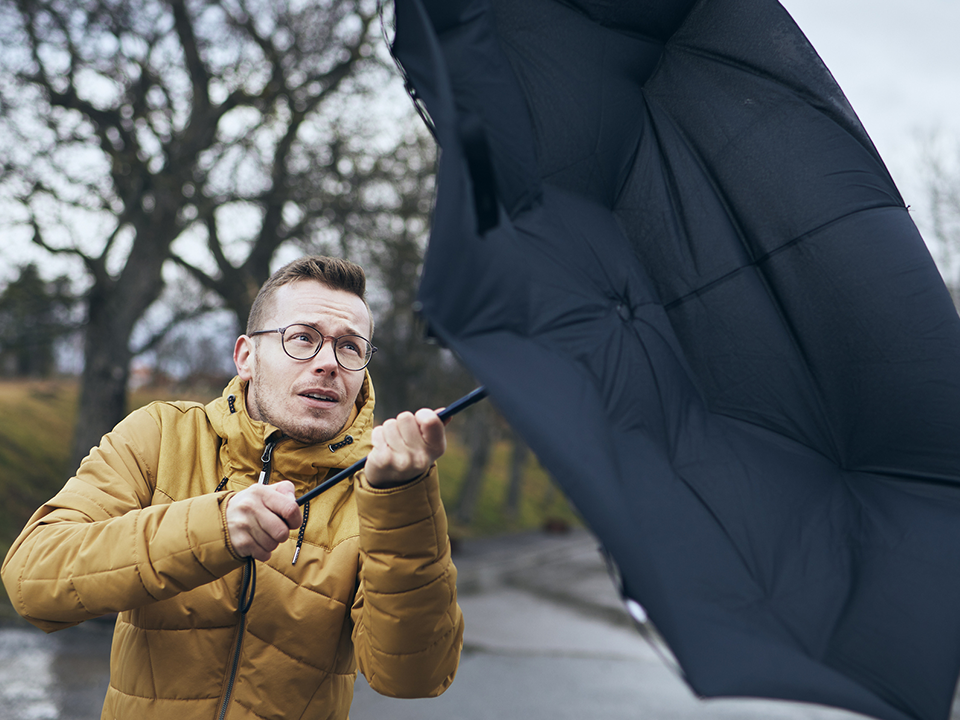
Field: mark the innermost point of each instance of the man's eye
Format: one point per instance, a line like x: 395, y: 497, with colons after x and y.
x: 301, y: 336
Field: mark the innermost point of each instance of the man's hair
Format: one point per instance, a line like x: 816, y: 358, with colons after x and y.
x: 335, y: 273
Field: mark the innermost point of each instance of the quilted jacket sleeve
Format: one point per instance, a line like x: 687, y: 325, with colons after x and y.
x: 99, y: 546
x: 408, y: 628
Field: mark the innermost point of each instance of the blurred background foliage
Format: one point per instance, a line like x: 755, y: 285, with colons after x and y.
x: 158, y: 160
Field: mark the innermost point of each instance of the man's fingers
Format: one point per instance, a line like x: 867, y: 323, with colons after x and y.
x: 423, y: 432
x: 405, y: 447
x: 282, y: 501
x: 405, y: 438
x: 433, y: 431
x: 259, y: 545
x: 408, y: 430
x: 260, y: 517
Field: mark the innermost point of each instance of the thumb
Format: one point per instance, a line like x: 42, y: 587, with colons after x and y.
x: 288, y: 508
x: 284, y: 487
x: 432, y: 430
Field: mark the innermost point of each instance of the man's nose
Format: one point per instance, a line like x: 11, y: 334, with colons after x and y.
x: 326, y: 358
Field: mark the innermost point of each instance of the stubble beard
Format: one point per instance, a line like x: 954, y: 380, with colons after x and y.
x: 304, y: 432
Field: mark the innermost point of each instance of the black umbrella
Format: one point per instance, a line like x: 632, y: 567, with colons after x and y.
x: 665, y: 244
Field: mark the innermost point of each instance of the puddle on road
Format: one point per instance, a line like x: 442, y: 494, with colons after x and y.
x: 62, y: 676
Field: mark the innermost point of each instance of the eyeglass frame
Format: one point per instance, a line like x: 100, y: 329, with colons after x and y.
x: 323, y: 338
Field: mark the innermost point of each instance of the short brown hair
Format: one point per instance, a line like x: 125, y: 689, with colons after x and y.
x: 335, y: 273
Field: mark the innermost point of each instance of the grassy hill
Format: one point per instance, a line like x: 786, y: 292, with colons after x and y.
x: 36, y: 424
x: 36, y: 421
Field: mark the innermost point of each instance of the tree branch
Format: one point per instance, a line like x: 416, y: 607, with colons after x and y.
x: 177, y: 319
x: 199, y: 75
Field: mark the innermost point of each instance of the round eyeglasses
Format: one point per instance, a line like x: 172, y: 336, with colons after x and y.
x: 302, y: 342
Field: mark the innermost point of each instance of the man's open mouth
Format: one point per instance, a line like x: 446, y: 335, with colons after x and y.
x: 319, y: 396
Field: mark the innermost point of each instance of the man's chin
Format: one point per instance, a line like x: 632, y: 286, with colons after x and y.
x: 313, y: 434
x: 307, y: 428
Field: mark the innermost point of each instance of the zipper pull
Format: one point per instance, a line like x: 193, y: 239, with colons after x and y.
x: 267, y: 459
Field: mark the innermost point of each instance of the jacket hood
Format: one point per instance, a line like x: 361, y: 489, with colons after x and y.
x: 243, y: 439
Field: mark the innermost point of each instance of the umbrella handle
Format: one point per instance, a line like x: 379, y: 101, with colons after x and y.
x: 452, y: 409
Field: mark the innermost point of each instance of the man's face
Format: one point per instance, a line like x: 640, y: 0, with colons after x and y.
x: 309, y: 400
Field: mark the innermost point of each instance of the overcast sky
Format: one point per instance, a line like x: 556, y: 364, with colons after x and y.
x: 898, y: 62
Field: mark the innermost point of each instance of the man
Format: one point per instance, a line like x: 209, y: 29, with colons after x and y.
x: 163, y: 517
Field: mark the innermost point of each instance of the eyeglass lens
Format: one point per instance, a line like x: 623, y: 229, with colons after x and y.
x: 302, y: 342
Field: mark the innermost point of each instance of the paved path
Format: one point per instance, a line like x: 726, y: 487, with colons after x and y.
x: 547, y: 638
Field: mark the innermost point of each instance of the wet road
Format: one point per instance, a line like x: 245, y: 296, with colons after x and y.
x: 54, y: 677
x: 546, y: 639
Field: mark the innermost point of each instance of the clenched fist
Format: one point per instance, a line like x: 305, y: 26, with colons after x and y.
x: 404, y: 448
x: 261, y: 517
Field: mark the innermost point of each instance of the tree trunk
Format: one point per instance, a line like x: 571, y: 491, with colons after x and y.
x: 479, y: 432
x: 114, y: 306
x: 103, y: 389
x: 518, y: 461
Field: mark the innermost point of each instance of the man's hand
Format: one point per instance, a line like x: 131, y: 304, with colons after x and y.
x: 404, y: 448
x: 261, y: 517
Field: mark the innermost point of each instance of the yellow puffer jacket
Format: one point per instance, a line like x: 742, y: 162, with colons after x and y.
x: 141, y: 530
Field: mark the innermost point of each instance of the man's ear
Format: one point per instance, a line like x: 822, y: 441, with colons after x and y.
x: 244, y: 357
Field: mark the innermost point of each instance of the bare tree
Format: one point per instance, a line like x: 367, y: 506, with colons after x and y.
x: 519, y: 456
x: 289, y: 167
x: 479, y: 428
x: 143, y: 131
x: 942, y: 171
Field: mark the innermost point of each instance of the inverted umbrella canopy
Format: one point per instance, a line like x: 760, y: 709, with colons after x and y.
x: 666, y: 245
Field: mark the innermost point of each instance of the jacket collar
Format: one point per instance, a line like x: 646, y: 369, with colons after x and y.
x: 243, y: 439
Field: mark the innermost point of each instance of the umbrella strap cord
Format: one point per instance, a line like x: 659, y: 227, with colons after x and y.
x: 248, y: 586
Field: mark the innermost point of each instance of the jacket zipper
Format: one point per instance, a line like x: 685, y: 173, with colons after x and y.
x: 247, y: 587
x: 233, y: 669
x: 267, y: 460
